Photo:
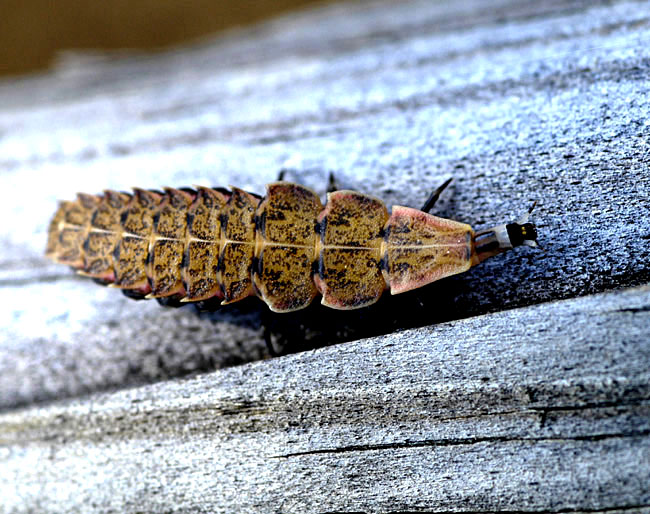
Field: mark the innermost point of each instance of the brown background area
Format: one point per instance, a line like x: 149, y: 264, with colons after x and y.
x: 32, y: 31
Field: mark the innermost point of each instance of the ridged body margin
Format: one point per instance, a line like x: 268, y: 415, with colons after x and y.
x: 197, y: 244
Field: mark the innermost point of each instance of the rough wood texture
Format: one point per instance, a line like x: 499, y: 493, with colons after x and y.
x: 518, y: 101
x: 544, y: 409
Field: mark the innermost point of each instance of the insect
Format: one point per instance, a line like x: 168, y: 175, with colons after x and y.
x: 198, y: 244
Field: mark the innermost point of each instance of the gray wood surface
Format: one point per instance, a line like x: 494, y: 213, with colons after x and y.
x: 541, y: 408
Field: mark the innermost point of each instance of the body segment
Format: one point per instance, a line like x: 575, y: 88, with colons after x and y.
x: 286, y: 248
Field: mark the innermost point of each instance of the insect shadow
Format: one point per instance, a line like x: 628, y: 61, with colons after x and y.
x: 317, y: 326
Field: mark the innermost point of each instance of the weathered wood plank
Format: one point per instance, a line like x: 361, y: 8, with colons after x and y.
x: 541, y: 409
x: 519, y: 101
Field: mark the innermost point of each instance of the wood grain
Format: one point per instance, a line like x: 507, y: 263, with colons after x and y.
x: 540, y: 409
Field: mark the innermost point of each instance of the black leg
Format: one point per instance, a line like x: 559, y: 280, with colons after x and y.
x: 171, y: 301
x: 269, y: 340
x: 272, y: 338
x: 281, y: 175
x: 433, y: 197
x: 331, y: 184
x: 134, y: 295
x: 210, y: 305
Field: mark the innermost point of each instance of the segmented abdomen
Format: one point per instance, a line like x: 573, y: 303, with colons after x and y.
x: 286, y: 248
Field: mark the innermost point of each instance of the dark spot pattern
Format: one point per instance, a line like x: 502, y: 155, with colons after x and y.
x: 201, y: 244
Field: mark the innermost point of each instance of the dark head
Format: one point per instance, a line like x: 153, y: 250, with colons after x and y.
x: 522, y: 234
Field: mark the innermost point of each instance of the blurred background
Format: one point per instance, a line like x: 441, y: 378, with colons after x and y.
x: 33, y: 31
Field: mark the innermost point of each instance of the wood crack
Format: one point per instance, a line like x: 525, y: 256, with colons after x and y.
x: 462, y: 442
x: 643, y: 308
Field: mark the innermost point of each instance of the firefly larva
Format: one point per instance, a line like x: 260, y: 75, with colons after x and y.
x: 286, y: 248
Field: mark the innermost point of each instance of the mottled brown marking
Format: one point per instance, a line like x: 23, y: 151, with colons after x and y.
x: 352, y: 219
x: 349, y: 269
x: 204, y: 214
x: 171, y: 214
x: 289, y: 212
x: 201, y: 271
x: 237, y: 260
x: 284, y: 279
x: 201, y: 266
x: 423, y: 248
x: 238, y: 233
x: 70, y: 251
x: 165, y: 275
x: 138, y: 217
x: 98, y: 249
x: 284, y: 276
x: 129, y: 263
x: 350, y: 278
x: 107, y: 215
x: 88, y: 202
x: 167, y: 244
x: 73, y: 230
x: 104, y: 235
x: 211, y: 243
x: 131, y: 252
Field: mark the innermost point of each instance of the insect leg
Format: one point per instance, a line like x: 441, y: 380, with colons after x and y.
x: 170, y: 301
x: 281, y: 175
x: 433, y: 197
x: 268, y: 339
x: 272, y: 338
x: 209, y: 305
x: 134, y: 295
x: 332, y: 184
x: 285, y: 334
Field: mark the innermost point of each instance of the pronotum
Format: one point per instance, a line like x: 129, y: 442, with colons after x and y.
x: 286, y: 248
